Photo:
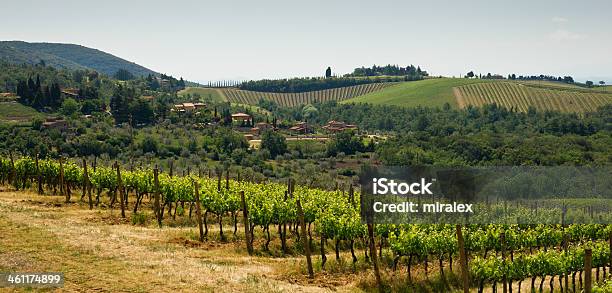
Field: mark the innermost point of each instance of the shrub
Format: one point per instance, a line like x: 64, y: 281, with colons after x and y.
x: 139, y: 219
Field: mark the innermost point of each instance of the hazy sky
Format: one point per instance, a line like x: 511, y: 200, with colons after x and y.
x: 213, y: 40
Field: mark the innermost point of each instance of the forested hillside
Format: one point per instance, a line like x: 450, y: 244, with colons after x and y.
x: 68, y: 56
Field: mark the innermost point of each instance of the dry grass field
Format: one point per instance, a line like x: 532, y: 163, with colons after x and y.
x: 100, y: 252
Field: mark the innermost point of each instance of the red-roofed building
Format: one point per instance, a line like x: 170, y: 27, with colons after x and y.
x: 55, y: 123
x: 301, y: 128
x: 338, y: 126
x: 261, y: 127
x: 241, y: 117
x: 70, y: 92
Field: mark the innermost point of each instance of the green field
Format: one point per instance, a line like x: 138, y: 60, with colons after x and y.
x: 561, y: 86
x: 460, y: 92
x: 253, y: 108
x: 550, y: 84
x: 243, y: 97
x: 521, y: 96
x: 214, y: 94
x: 15, y: 112
x: 607, y: 88
x: 295, y: 99
x: 428, y: 93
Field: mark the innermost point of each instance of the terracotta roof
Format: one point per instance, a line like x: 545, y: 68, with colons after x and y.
x: 70, y: 91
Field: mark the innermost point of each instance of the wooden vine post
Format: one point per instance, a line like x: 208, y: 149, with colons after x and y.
x: 38, y: 176
x: 198, y: 210
x: 374, y: 258
x: 565, y: 245
x: 227, y: 179
x: 86, y: 184
x: 304, y: 238
x: 502, y: 238
x: 157, y: 207
x: 588, y: 269
x: 120, y: 190
x: 61, y: 180
x: 245, y: 218
x: 13, y: 174
x: 610, y: 240
x: 463, y: 261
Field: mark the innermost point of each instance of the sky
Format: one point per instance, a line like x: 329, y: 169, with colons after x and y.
x: 228, y: 40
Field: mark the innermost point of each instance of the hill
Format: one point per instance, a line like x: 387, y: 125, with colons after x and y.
x: 69, y: 56
x: 460, y: 92
x: 296, y: 99
x: 433, y: 92
x: 244, y: 97
x: 521, y: 96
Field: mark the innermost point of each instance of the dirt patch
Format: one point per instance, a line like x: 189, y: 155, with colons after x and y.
x: 207, y: 244
x: 459, y: 97
x: 326, y: 280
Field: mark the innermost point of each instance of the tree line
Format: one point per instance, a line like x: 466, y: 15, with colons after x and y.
x: 307, y: 84
x: 412, y: 72
x: 513, y: 76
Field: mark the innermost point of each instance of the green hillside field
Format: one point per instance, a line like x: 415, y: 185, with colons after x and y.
x: 15, y: 112
x: 433, y: 92
x: 214, y: 94
x: 238, y: 96
x: 521, y: 96
x: 296, y: 99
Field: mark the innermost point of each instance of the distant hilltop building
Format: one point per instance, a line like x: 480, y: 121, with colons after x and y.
x: 188, y: 107
x: 301, y: 128
x: 7, y: 96
x: 261, y: 127
x: 55, y: 123
x: 70, y: 92
x: 241, y: 117
x: 338, y: 126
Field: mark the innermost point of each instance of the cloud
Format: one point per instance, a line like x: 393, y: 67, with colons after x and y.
x: 559, y: 19
x: 565, y: 35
